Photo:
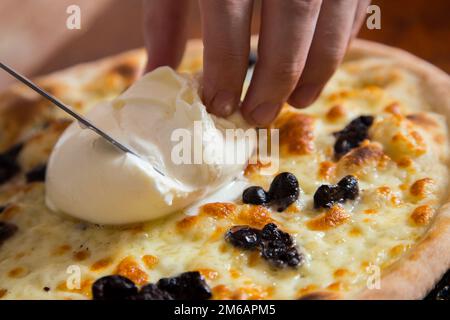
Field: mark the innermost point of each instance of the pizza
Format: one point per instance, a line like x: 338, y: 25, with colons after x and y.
x: 357, y: 210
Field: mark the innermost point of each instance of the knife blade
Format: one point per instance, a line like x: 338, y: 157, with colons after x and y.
x: 82, y: 120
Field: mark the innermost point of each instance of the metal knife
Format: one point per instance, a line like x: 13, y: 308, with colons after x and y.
x: 82, y: 120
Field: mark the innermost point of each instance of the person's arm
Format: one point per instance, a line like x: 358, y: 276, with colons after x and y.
x: 301, y: 43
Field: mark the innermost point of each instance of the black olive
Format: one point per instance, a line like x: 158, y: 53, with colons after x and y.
x: 187, y: 286
x: 349, y: 186
x: 243, y: 237
x: 113, y: 287
x: 255, y: 195
x: 275, y: 245
x: 352, y: 135
x: 284, y: 190
x: 441, y: 291
x: 278, y: 247
x: 2, y: 208
x: 37, y: 174
x: 8, y: 163
x: 151, y: 292
x: 326, y: 196
x: 7, y: 230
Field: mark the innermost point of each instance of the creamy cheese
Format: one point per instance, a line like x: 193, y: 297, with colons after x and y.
x: 158, y: 115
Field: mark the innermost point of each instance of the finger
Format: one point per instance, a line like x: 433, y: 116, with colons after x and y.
x: 360, y: 15
x: 226, y: 38
x: 327, y: 50
x: 287, y: 29
x: 165, y: 32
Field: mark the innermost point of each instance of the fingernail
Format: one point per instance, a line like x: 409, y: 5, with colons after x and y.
x: 304, y: 95
x: 265, y: 113
x: 223, y: 103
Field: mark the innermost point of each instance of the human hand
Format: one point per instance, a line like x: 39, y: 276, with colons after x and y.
x: 301, y: 43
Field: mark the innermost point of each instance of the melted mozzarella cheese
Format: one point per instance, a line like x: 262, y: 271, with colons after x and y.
x: 379, y: 227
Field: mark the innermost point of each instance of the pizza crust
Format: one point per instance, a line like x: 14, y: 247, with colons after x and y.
x: 414, y: 275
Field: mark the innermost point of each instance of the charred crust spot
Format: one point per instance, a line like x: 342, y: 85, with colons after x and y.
x: 405, y: 162
x: 423, y: 120
x: 60, y: 250
x: 11, y: 211
x: 209, y: 273
x: 150, y: 261
x: 3, y: 293
x: 255, y: 216
x: 327, y: 170
x: 20, y: 113
x: 130, y: 269
x: 101, y: 264
x: 365, y: 154
x: 18, y: 272
x: 218, y: 209
x: 254, y: 168
x: 420, y: 188
x: 222, y: 292
x: 422, y: 215
x: 187, y: 222
x: 393, y: 108
x: 297, y: 133
x: 126, y: 70
x: 336, y: 112
x: 7, y: 230
x: 332, y: 218
x: 81, y: 255
x: 320, y: 296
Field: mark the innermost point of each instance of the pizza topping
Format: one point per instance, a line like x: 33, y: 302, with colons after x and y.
x: 352, y: 135
x: 349, y: 186
x: 152, y: 292
x: 330, y: 219
x: 187, y: 286
x: 244, y: 237
x: 8, y: 163
x: 37, y: 174
x: 327, y: 195
x: 284, y: 190
x: 297, y: 134
x: 278, y: 247
x: 7, y: 230
x: 113, y: 287
x: 255, y: 195
x: 275, y: 245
